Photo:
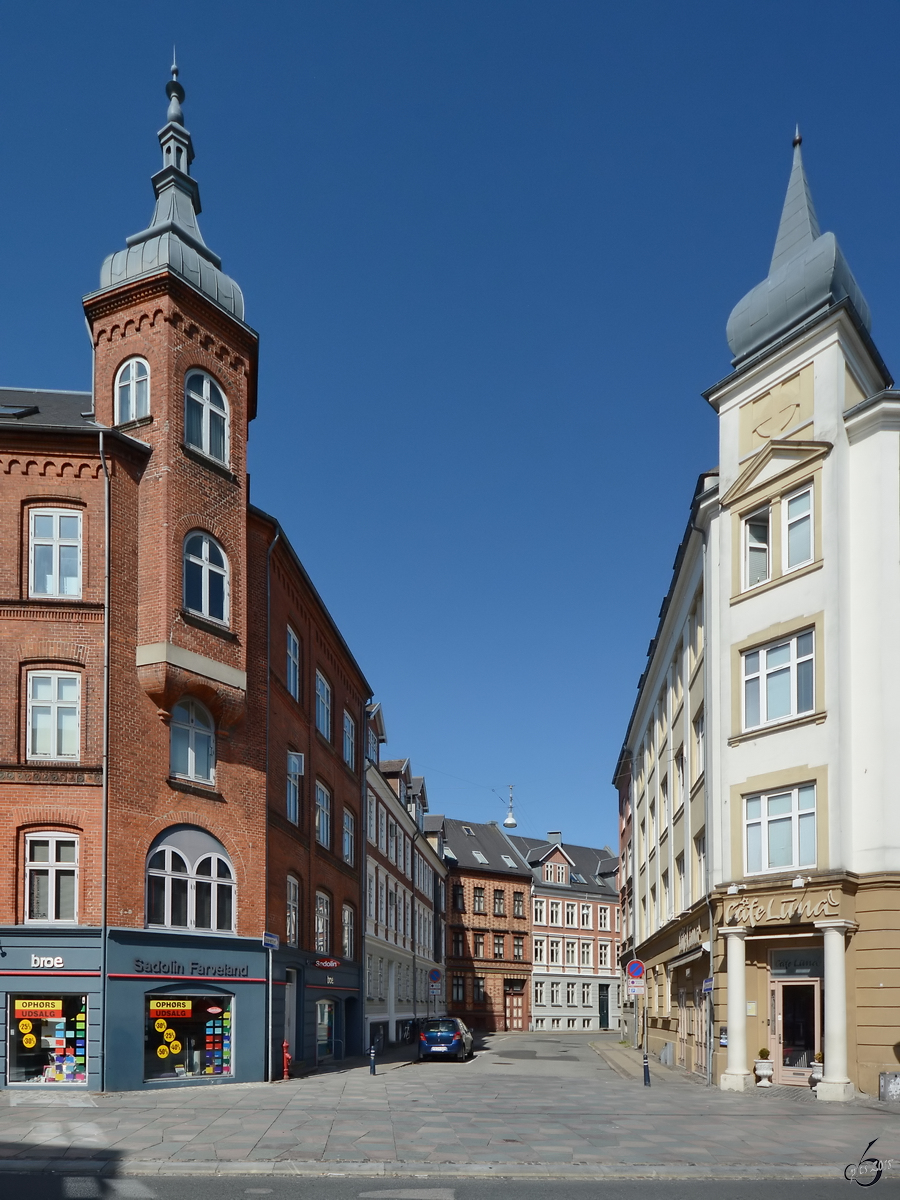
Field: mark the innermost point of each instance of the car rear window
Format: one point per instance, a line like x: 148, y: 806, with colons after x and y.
x: 440, y: 1027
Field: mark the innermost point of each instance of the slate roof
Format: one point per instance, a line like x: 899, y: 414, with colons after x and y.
x: 33, y: 406
x: 594, y: 865
x: 433, y: 822
x: 392, y: 766
x: 487, y: 840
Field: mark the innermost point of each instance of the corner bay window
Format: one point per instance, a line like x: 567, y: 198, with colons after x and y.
x: 205, y: 416
x: 55, y: 544
x: 54, y: 709
x: 779, y: 680
x: 187, y: 1036
x: 190, y: 883
x: 192, y: 747
x: 51, y: 877
x: 205, y: 577
x: 780, y: 829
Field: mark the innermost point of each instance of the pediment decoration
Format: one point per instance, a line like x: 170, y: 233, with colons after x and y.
x: 776, y: 461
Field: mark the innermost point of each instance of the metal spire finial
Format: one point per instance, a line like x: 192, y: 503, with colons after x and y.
x: 174, y: 66
x: 797, y: 137
x: 175, y: 92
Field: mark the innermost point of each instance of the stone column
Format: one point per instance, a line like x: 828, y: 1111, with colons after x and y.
x: 835, y: 1083
x: 736, y: 1077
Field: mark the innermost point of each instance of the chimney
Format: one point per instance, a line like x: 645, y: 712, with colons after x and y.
x: 554, y: 836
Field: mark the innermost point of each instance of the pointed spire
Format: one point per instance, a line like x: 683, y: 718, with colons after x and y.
x: 799, y: 226
x: 175, y: 92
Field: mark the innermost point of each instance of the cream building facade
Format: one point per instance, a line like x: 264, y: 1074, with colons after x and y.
x: 791, y: 570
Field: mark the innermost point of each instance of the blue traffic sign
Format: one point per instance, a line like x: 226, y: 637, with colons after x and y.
x: 434, y: 975
x: 271, y: 941
x: 635, y: 969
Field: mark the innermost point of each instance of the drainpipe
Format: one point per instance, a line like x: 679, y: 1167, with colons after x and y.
x: 269, y: 1064
x: 104, y: 852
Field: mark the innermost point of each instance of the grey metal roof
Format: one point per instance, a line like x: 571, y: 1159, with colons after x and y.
x: 33, y: 406
x: 592, y: 864
x: 433, y: 822
x: 487, y: 840
x: 807, y: 274
x: 173, y: 240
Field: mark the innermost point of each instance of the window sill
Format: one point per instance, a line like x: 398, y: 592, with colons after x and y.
x: 203, y: 460
x: 813, y: 718
x: 127, y: 426
x: 195, y: 789
x: 198, y: 622
x: 797, y: 573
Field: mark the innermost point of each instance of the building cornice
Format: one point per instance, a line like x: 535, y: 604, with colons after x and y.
x: 878, y: 414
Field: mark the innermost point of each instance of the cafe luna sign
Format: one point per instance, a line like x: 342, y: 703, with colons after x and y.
x: 752, y: 910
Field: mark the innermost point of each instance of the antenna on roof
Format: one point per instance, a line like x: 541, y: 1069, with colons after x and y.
x: 510, y: 821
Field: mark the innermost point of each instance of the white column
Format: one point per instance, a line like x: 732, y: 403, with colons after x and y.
x: 736, y: 1077
x: 835, y: 1083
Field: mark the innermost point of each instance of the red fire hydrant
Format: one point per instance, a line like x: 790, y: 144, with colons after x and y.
x: 285, y: 1053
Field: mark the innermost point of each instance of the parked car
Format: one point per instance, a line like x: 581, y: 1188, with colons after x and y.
x: 445, y: 1037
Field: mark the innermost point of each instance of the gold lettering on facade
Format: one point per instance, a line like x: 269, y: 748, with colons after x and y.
x: 688, y: 938
x: 752, y: 911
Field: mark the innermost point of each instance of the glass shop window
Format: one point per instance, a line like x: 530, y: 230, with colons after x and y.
x: 187, y: 1036
x: 47, y: 1039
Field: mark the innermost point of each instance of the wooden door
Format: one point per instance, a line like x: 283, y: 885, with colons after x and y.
x: 514, y: 1010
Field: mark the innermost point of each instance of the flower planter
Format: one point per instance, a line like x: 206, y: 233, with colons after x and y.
x: 764, y: 1070
x: 815, y: 1075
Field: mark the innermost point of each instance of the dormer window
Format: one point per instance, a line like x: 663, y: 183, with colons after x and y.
x: 132, y: 391
x: 205, y: 416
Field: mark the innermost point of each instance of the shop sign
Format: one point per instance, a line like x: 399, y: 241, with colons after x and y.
x: 750, y: 910
x: 55, y: 962
x: 328, y: 963
x: 39, y: 1009
x: 688, y: 938
x: 171, y: 967
x: 169, y: 1006
x: 810, y: 962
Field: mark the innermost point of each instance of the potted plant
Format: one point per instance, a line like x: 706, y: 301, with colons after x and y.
x: 815, y: 1075
x: 764, y: 1069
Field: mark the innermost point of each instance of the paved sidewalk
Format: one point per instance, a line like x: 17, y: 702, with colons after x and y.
x: 526, y: 1105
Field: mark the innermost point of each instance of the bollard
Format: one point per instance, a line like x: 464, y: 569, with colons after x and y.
x: 372, y: 1060
x: 286, y: 1060
x: 646, y: 1070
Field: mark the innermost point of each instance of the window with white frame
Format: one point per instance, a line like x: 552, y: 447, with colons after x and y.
x: 370, y: 897
x: 699, y: 747
x: 192, y: 742
x: 132, y: 391
x: 205, y: 577
x: 571, y: 993
x: 561, y: 873
x: 348, y: 931
x: 555, y: 991
x: 323, y: 705
x: 539, y: 950
x: 51, y: 877
x: 372, y: 746
x: 55, y: 545
x: 603, y: 954
x: 323, y: 923
x: 540, y: 911
x: 781, y: 829
x: 371, y: 819
x: 555, y: 912
x: 205, y: 416
x: 779, y: 680
x: 798, y: 530
x: 190, y: 883
x: 323, y: 814
x: 571, y: 915
x: 349, y: 837
x: 382, y: 902
x: 539, y: 991
x: 292, y: 667
x: 382, y: 830
x: 392, y: 908
x: 292, y: 915
x: 586, y: 916
x: 603, y: 917
x: 548, y: 872
x: 54, y: 715
x: 571, y: 954
x: 555, y: 951
x: 349, y: 741
x: 587, y: 954
x: 294, y: 771
x: 700, y: 852
x: 586, y: 994
x: 757, y: 558
x: 370, y: 978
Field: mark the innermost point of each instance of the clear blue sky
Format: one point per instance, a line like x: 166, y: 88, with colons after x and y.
x: 490, y: 247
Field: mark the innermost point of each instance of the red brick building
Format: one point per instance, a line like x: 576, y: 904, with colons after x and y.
x: 182, y: 764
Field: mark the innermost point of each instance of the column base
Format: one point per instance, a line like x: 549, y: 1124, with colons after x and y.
x: 732, y: 1081
x: 840, y: 1092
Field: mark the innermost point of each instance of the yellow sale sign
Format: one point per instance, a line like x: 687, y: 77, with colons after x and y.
x: 32, y: 1007
x: 169, y: 1006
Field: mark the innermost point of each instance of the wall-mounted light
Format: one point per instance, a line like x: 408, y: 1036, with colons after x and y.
x: 799, y: 881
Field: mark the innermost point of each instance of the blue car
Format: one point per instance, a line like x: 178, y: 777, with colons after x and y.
x: 445, y: 1037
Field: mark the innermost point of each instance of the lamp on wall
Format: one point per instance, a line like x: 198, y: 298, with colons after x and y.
x: 799, y: 881
x: 734, y: 888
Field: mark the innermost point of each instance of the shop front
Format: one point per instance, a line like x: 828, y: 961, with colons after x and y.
x: 50, y: 1008
x: 332, y: 1016
x: 184, y: 1010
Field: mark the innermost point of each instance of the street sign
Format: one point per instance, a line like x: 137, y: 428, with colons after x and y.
x: 636, y: 989
x: 271, y: 941
x: 434, y: 991
x: 635, y: 969
x: 707, y: 986
x: 434, y: 975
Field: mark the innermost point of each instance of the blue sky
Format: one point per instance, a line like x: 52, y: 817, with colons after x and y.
x: 490, y: 247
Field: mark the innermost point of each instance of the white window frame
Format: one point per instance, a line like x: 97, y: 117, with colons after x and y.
x: 548, y: 872
x: 555, y: 952
x: 292, y: 913
x: 762, y: 674
x: 571, y: 915
x: 138, y: 372
x: 603, y: 916
x: 323, y: 705
x: 603, y: 955
x: 208, y: 412
x: 587, y: 916
x: 323, y: 814
x: 586, y: 957
x: 193, y: 878
x: 561, y: 873
x: 348, y: 931
x: 191, y: 726
x: 207, y: 570
x: 292, y: 667
x: 555, y: 992
x: 756, y: 519
x: 539, y: 950
x: 539, y: 991
x: 555, y: 912
x: 323, y: 923
x: 349, y: 741
x: 370, y: 897
x: 348, y: 838
x: 540, y: 911
x: 56, y: 707
x: 571, y: 953
x: 788, y: 522
x: 57, y: 543
x: 371, y: 819
x: 292, y: 799
x: 586, y: 995
x: 52, y: 868
x: 571, y: 993
x: 798, y: 795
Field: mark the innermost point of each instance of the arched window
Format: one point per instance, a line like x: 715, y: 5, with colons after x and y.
x: 205, y: 577
x: 205, y: 416
x: 132, y: 391
x: 193, y: 742
x: 190, y: 882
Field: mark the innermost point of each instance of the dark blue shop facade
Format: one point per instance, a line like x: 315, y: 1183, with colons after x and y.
x: 317, y: 1009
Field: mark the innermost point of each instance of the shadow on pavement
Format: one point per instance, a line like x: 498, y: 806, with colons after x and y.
x: 30, y: 1171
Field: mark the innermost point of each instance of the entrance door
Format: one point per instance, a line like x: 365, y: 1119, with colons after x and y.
x: 682, y: 1027
x: 798, y: 1021
x: 514, y: 1010
x: 324, y: 1029
x: 604, y: 1006
x: 700, y: 1031
x: 290, y: 1010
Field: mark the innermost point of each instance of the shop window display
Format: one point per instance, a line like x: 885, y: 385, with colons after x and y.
x: 187, y: 1036
x: 47, y: 1039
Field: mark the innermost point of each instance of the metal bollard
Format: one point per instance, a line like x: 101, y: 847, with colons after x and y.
x: 646, y: 1070
x: 372, y: 1060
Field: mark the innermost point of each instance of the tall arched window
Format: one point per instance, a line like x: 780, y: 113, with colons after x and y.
x: 193, y: 742
x: 132, y: 391
x: 190, y: 882
x: 205, y: 577
x: 206, y: 416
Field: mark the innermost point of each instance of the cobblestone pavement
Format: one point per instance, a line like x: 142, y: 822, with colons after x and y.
x: 526, y: 1099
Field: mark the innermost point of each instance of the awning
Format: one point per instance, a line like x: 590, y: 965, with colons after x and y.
x: 680, y: 959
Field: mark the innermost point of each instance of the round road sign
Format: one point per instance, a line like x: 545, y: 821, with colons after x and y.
x: 434, y: 975
x: 635, y: 969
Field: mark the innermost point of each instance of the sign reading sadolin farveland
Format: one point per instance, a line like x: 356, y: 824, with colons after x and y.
x: 173, y: 967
